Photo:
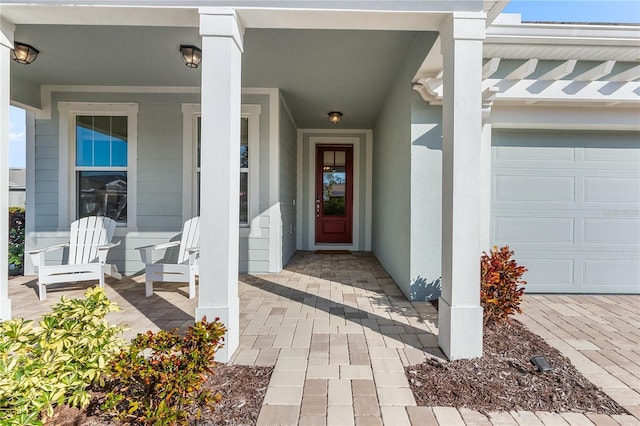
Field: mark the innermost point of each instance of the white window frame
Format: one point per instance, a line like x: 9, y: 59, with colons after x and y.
x: 67, y: 197
x: 190, y: 114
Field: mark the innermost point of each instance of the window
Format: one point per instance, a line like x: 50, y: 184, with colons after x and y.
x: 249, y: 145
x: 100, y: 160
x: 101, y: 166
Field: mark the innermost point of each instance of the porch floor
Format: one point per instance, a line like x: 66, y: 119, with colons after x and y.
x: 339, y: 332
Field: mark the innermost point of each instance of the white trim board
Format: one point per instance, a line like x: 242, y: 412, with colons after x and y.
x: 67, y: 143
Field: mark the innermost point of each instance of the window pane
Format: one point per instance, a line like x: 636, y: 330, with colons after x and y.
x: 244, y: 197
x: 118, y: 153
x: 101, y: 153
x: 84, y: 141
x: 333, y: 191
x: 244, y: 143
x: 101, y: 141
x: 103, y: 194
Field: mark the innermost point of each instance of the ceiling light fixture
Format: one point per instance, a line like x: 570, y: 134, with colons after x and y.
x: 191, y: 55
x: 335, y: 117
x: 23, y: 53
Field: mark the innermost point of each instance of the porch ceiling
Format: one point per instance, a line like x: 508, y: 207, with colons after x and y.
x: 318, y: 70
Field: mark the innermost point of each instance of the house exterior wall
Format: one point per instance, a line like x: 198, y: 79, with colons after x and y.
x: 159, y: 186
x: 288, y: 181
x: 254, y: 241
x: 406, y: 183
x: 426, y: 200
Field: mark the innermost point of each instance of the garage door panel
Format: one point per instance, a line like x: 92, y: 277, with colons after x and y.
x: 568, y: 204
x: 612, y: 231
x: 612, y: 190
x: 548, y: 272
x: 542, y: 150
x: 538, y: 188
x: 618, y: 152
x: 548, y: 230
x: 598, y: 272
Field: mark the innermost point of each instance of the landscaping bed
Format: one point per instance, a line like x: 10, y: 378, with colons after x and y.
x: 505, y: 379
x: 242, y: 387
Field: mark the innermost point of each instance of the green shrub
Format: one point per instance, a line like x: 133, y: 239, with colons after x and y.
x: 158, y: 379
x: 501, y: 286
x: 55, y: 363
x: 16, y: 240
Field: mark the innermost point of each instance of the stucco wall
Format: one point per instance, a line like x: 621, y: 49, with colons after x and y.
x: 405, y: 174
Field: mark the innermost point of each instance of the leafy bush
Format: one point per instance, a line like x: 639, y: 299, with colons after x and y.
x: 501, y: 286
x: 158, y: 379
x: 55, y: 363
x: 16, y: 240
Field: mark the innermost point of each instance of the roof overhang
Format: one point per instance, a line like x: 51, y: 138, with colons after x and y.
x: 597, y: 47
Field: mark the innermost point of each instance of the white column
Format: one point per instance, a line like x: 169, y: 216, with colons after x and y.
x: 460, y: 313
x: 485, y: 183
x: 6, y: 43
x: 220, y: 172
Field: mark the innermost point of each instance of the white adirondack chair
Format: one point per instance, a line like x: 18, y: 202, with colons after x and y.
x: 89, y: 244
x: 185, y: 269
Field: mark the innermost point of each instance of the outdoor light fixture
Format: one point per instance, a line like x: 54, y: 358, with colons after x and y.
x: 335, y: 117
x: 191, y: 55
x: 542, y: 363
x: 23, y: 53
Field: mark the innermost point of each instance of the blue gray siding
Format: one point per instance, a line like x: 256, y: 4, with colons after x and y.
x: 288, y: 182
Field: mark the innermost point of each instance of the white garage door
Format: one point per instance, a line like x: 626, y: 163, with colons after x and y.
x: 568, y: 204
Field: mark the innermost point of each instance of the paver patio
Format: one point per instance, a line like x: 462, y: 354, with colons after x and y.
x: 339, y: 332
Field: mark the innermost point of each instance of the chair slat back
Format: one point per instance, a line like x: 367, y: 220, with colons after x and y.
x: 190, y: 238
x: 86, y: 235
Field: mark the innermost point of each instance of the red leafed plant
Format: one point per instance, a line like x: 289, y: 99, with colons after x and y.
x: 501, y: 285
x: 158, y: 380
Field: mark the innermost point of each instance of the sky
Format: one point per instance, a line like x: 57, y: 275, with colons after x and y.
x: 602, y: 11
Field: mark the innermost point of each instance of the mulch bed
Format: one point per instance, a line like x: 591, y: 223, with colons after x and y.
x: 242, y: 387
x: 505, y: 379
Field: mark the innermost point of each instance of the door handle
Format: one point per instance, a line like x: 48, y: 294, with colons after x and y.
x: 317, y: 207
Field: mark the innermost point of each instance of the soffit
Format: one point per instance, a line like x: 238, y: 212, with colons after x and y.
x: 318, y: 70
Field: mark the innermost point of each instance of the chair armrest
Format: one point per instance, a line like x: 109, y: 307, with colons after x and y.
x: 194, y: 255
x: 46, y: 249
x: 37, y: 255
x: 146, y: 252
x: 160, y: 246
x: 108, y: 246
x: 104, y: 249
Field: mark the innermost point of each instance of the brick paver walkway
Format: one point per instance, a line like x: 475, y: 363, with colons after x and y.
x: 339, y: 333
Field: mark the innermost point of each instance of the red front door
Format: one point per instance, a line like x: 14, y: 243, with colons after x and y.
x: 334, y: 193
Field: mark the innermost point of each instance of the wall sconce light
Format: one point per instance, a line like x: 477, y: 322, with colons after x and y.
x: 23, y: 53
x: 191, y: 55
x: 335, y: 117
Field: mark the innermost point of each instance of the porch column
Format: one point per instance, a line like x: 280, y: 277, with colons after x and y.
x: 485, y: 183
x: 220, y: 172
x: 460, y: 313
x: 6, y: 43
